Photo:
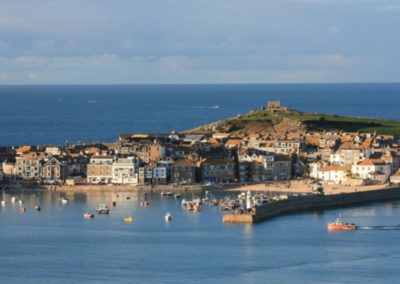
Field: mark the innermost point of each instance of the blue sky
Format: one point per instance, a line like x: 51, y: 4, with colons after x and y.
x: 205, y: 41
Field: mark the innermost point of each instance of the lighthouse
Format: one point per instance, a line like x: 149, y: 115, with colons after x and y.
x: 248, y: 200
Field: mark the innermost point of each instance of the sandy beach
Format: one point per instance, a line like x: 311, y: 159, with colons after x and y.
x: 305, y: 187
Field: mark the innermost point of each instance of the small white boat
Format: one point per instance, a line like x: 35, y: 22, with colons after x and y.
x: 3, y: 203
x: 88, y: 215
x: 168, y: 216
x: 103, y: 210
x: 178, y: 195
x: 13, y: 199
x: 64, y: 200
x: 20, y: 202
x: 184, y: 202
x: 37, y: 208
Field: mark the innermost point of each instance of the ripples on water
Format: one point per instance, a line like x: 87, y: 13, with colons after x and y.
x: 57, y: 243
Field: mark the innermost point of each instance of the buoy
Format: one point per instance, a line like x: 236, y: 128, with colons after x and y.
x: 128, y: 219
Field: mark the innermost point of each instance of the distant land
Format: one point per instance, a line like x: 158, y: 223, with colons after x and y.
x: 266, y: 120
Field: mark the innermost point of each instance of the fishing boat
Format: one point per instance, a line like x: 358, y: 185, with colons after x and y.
x: 103, y: 210
x: 337, y: 225
x: 168, y: 216
x: 88, y: 215
x: 184, y: 202
x: 128, y: 219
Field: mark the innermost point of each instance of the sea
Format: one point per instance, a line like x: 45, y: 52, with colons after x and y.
x: 56, y: 245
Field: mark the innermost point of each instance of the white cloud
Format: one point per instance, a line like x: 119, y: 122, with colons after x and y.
x: 174, y: 63
x: 33, y: 75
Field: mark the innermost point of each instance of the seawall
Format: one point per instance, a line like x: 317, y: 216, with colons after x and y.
x: 305, y: 203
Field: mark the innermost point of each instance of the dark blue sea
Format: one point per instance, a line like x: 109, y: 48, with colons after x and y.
x: 57, y: 245
x: 68, y: 114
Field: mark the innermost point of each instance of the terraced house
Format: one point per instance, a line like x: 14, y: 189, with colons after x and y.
x: 99, y: 170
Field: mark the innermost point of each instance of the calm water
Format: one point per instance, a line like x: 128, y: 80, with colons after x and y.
x: 57, y: 243
x: 59, y: 114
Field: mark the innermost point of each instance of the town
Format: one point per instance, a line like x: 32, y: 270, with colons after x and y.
x: 210, y: 158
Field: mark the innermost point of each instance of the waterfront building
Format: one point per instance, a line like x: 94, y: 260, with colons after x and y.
x: 159, y: 174
x: 99, y: 170
x: 372, y: 169
x: 145, y: 175
x: 334, y: 174
x: 183, y: 171
x: 256, y: 166
x: 395, y: 178
x: 125, y: 170
x: 27, y: 165
x: 218, y: 170
x: 77, y: 165
x: 53, y: 170
x: 8, y: 169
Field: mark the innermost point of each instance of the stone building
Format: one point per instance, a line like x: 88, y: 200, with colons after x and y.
x: 183, y: 171
x: 125, y: 170
x: 54, y: 170
x: 99, y: 170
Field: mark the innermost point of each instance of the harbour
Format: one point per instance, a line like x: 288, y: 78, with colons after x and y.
x: 301, y: 203
x: 284, y: 248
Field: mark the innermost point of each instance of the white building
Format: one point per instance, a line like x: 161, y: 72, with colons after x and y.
x: 333, y: 174
x: 125, y: 170
x: 55, y: 151
x: 395, y: 178
x: 368, y: 169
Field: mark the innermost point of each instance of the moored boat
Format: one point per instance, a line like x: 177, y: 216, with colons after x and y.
x: 22, y: 209
x: 339, y: 226
x: 144, y: 203
x: 64, y: 200
x: 103, y: 210
x: 168, y: 216
x: 128, y: 219
x: 88, y: 215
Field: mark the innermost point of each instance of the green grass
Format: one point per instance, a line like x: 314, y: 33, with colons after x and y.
x: 315, y: 121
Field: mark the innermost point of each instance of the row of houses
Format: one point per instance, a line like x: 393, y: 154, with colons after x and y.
x: 213, y: 157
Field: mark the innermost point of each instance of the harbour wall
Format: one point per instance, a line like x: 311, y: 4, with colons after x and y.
x: 305, y: 203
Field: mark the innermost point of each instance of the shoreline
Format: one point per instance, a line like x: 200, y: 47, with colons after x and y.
x: 298, y: 204
x: 295, y: 187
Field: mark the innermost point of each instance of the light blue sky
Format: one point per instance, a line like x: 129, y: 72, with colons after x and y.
x: 204, y: 41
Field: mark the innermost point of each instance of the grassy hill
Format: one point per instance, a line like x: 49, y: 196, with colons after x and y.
x: 292, y: 120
